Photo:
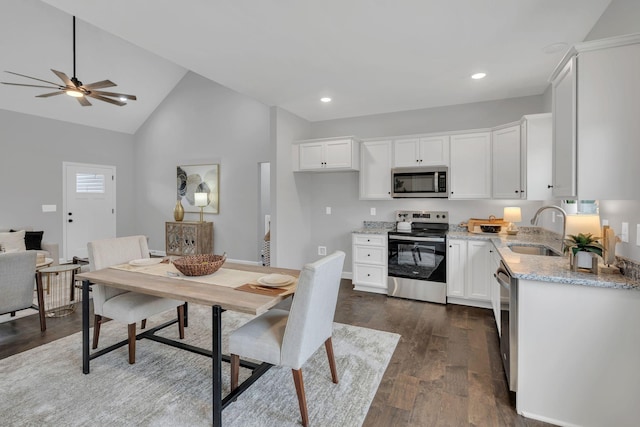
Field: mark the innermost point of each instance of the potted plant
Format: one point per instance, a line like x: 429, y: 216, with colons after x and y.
x: 583, y: 248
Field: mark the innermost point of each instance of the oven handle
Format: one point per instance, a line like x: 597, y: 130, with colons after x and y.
x: 417, y: 239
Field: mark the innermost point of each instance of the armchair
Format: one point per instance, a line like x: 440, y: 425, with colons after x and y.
x: 17, y: 275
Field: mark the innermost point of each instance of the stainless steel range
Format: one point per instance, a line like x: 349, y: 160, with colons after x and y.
x: 417, y: 265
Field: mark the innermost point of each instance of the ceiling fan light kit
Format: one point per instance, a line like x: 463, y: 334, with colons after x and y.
x: 74, y: 87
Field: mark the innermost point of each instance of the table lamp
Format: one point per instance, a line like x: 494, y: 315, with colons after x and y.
x: 512, y: 214
x: 581, y: 223
x: 201, y: 200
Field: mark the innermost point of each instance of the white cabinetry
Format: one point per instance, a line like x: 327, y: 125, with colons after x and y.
x: 468, y: 272
x: 375, y: 170
x: 470, y: 170
x: 564, y: 131
x: 596, y: 109
x: 331, y: 154
x: 427, y: 151
x: 370, y: 262
x: 506, y: 157
x: 536, y: 146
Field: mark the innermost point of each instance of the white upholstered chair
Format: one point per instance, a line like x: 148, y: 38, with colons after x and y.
x: 289, y: 338
x: 17, y: 275
x: 120, y: 305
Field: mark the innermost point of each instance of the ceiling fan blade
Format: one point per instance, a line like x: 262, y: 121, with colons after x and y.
x: 105, y: 99
x: 33, y: 78
x: 46, y: 87
x: 117, y: 95
x: 98, y: 85
x: 84, y: 101
x: 46, y: 95
x: 67, y: 81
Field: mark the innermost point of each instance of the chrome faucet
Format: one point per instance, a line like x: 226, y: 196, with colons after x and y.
x: 534, y: 221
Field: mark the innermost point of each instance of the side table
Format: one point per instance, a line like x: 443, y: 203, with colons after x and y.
x: 61, y: 294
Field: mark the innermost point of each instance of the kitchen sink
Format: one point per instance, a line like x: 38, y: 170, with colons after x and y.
x: 532, y: 250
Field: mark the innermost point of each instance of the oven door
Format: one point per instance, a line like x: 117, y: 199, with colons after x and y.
x: 418, y: 258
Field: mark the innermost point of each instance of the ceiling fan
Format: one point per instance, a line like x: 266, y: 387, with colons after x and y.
x: 74, y: 87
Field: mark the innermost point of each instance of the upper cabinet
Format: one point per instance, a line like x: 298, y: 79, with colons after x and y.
x: 375, y: 170
x: 537, y: 152
x: 427, y: 151
x: 506, y: 156
x: 470, y: 170
x: 596, y: 106
x: 327, y: 154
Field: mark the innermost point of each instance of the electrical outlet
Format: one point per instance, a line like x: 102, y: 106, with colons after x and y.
x: 553, y: 217
x: 624, y: 234
x: 372, y: 211
x: 328, y: 210
x: 49, y: 208
x: 638, y: 234
x: 322, y: 250
x: 605, y: 222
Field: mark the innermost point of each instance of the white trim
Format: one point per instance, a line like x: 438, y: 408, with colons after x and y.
x: 330, y: 138
x: 469, y: 302
x: 547, y: 419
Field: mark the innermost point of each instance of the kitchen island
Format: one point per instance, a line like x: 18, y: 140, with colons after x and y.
x: 578, y: 337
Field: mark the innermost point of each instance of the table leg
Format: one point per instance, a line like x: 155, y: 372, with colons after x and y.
x: 186, y: 314
x: 85, y: 326
x: 216, y: 332
x: 40, y: 293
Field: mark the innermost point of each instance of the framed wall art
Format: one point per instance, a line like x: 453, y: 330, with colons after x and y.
x: 198, y: 179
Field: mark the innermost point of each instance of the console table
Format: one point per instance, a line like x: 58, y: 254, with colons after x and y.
x: 188, y: 238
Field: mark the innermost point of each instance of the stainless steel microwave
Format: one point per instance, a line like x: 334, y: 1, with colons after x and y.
x: 419, y: 182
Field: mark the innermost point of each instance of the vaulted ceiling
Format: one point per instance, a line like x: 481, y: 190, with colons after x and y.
x: 370, y: 57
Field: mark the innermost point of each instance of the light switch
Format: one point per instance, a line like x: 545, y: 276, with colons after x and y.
x: 328, y: 210
x: 638, y: 234
x: 605, y: 222
x: 49, y: 208
x: 373, y: 211
x: 624, y: 234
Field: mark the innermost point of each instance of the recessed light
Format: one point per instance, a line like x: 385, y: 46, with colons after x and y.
x: 325, y: 99
x: 478, y: 76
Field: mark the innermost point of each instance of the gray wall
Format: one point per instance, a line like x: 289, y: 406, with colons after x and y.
x: 621, y: 17
x: 32, y: 150
x: 202, y: 122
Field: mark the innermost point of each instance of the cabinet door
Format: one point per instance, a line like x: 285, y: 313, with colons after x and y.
x: 406, y: 152
x: 470, y: 171
x: 537, y: 157
x: 434, y: 151
x: 505, y: 152
x: 564, y: 132
x: 478, y: 267
x: 456, y: 268
x: 337, y: 154
x: 375, y: 170
x: 311, y: 155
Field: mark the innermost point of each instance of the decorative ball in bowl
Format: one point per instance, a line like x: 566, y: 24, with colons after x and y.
x: 490, y: 228
x: 200, y: 265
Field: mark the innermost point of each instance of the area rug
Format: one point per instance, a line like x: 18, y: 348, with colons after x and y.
x: 171, y: 387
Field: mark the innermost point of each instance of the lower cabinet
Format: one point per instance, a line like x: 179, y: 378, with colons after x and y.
x: 469, y: 272
x: 369, y: 262
x: 188, y: 238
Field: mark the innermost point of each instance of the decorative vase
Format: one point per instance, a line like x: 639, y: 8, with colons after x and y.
x: 178, y: 212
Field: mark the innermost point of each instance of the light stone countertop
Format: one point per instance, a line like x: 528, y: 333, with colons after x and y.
x: 547, y: 268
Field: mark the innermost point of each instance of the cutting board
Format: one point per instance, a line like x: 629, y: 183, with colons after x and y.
x: 473, y: 222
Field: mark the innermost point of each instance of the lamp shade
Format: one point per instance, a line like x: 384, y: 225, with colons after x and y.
x: 201, y: 199
x: 583, y: 224
x: 512, y: 214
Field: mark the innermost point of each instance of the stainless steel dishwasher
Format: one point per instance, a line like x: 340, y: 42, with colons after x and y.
x: 508, y: 324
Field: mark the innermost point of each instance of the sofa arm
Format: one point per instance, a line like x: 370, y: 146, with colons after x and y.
x: 52, y: 248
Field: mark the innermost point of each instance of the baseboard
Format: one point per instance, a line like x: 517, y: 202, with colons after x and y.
x: 347, y: 275
x: 469, y: 302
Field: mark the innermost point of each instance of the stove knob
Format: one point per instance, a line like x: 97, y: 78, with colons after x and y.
x: 444, y: 216
x: 437, y: 216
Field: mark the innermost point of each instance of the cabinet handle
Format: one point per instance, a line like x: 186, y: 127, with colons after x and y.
x: 517, y: 191
x: 368, y: 254
x: 549, y: 186
x: 368, y: 275
x: 450, y: 246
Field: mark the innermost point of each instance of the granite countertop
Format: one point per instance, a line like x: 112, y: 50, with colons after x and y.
x: 547, y: 268
x: 376, y: 227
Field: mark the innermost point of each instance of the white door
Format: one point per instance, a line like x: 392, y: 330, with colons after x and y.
x: 89, y: 206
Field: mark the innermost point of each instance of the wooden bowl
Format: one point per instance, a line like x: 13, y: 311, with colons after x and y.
x: 200, y: 265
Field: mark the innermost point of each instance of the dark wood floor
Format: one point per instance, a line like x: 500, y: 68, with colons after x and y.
x: 446, y: 370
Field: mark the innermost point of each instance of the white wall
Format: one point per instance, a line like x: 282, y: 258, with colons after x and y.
x: 32, y: 150
x: 291, y: 224
x: 202, y: 122
x: 621, y: 17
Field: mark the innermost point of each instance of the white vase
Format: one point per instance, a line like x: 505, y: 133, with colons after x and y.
x: 585, y: 260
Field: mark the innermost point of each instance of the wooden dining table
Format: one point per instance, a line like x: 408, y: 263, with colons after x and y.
x: 219, y: 297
